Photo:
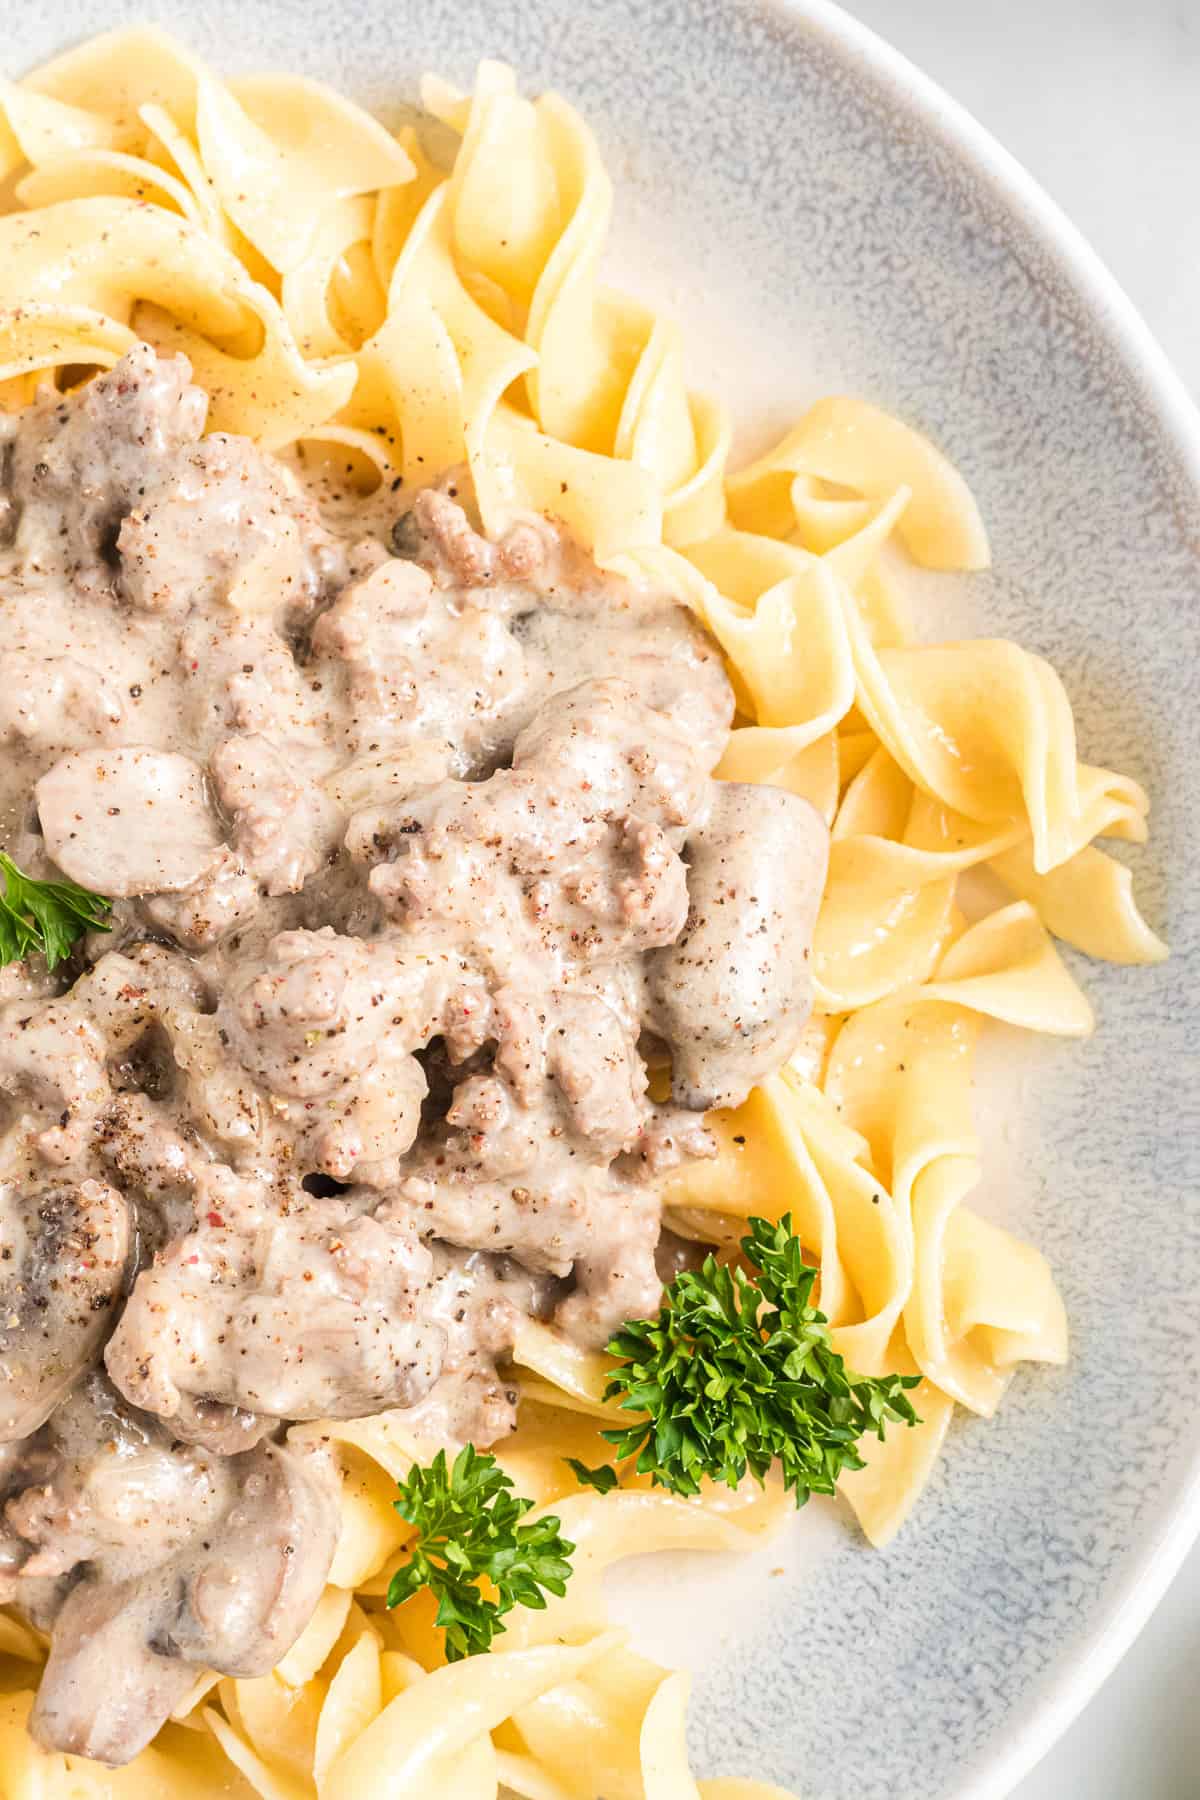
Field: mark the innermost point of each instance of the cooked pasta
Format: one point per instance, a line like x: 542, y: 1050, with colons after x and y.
x: 337, y: 291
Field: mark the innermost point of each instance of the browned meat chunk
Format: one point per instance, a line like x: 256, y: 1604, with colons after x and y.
x: 438, y: 534
x: 303, y: 1311
x: 239, y: 674
x: 332, y: 1019
x: 418, y: 665
x: 79, y: 461
x: 220, y: 523
x: 283, y: 826
x: 571, y: 855
x: 52, y: 1064
x: 48, y: 702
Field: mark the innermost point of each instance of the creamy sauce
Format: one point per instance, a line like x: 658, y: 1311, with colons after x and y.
x: 415, y: 852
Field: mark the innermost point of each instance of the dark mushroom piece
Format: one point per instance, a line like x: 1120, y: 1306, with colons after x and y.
x: 149, y: 1560
x: 123, y: 1654
x: 64, y: 1251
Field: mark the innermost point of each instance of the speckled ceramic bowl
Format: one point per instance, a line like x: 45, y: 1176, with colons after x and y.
x: 820, y: 217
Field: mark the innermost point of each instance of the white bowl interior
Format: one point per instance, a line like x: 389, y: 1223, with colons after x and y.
x: 817, y: 227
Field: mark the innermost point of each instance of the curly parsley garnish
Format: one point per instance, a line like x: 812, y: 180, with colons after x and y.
x: 45, y: 915
x: 468, y: 1527
x: 735, y: 1374
x: 604, y: 1479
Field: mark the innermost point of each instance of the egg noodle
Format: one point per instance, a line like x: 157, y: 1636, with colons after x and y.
x: 336, y: 291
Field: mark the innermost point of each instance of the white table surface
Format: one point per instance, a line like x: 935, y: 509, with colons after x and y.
x: 1100, y: 99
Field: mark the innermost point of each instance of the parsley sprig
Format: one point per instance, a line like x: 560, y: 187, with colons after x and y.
x: 735, y: 1374
x: 45, y: 915
x: 468, y: 1528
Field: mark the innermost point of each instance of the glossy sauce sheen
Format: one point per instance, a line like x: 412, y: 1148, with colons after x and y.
x: 415, y: 852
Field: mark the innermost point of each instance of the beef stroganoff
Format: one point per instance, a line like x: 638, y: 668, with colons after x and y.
x: 471, y: 855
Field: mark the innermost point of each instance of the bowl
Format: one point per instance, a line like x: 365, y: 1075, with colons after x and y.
x: 821, y: 218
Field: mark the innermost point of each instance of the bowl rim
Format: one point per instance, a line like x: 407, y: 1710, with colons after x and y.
x: 1131, y: 1597
x: 1155, y: 1560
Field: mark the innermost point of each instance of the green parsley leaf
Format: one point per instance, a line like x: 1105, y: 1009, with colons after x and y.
x: 468, y: 1527
x: 735, y: 1375
x: 45, y: 915
x: 604, y: 1479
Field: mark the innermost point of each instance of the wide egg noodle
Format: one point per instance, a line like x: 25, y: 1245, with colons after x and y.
x: 275, y: 390
x: 504, y: 190
x: 442, y: 367
x: 425, y: 1735
x: 853, y: 445
x: 444, y: 411
x: 268, y: 1737
x: 787, y: 1151
x: 169, y: 147
x: 665, y: 1772
x: 106, y: 256
x: 608, y: 374
x: 354, y: 1698
x: 308, y: 289
x: 47, y: 336
x: 1087, y: 901
x: 112, y: 76
x: 35, y: 128
x: 184, y: 1764
x: 812, y: 769
x: 884, y: 1492
x: 19, y: 1640
x: 337, y: 288
x: 983, y: 726
x: 86, y: 174
x: 108, y: 253
x: 281, y: 151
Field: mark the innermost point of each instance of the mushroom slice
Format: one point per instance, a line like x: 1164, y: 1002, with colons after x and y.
x: 128, y: 821
x: 63, y: 1256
